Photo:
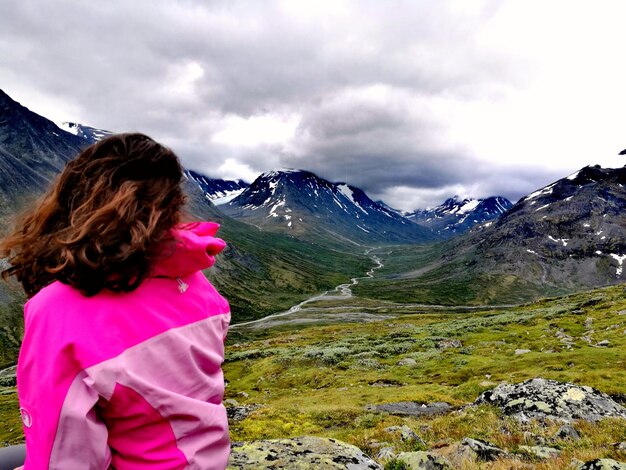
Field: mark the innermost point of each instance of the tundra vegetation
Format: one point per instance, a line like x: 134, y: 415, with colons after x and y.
x: 322, y: 380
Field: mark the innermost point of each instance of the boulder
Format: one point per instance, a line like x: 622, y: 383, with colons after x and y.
x: 405, y: 433
x: 484, y: 450
x: 386, y: 453
x: 411, y: 408
x: 540, y: 452
x: 237, y: 413
x: 542, y: 398
x: 7, y: 377
x: 300, y: 453
x: 423, y: 461
x: 603, y: 464
x: 567, y: 431
x: 459, y: 456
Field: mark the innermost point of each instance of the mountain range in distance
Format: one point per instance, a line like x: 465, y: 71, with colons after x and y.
x: 275, y: 194
x: 566, y: 236
x: 456, y: 216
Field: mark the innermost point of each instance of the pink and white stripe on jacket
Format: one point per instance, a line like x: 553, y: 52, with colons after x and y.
x: 129, y: 380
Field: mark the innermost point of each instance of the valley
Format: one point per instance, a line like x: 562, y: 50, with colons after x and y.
x: 343, y: 306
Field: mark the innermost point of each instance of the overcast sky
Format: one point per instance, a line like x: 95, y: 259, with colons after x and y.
x: 413, y: 101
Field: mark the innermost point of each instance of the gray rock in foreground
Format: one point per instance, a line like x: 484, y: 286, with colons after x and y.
x: 484, y: 450
x: 299, y: 453
x: 542, y: 398
x: 411, y: 408
x: 603, y: 464
x: 423, y: 461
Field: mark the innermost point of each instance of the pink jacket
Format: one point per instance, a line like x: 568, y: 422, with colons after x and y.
x: 129, y: 380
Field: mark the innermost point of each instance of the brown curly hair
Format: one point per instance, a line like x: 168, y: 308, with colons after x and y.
x: 103, y: 220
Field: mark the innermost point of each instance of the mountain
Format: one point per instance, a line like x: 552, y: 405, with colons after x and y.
x: 217, y: 191
x: 574, y: 229
x: 302, y: 204
x: 259, y: 273
x: 456, y: 216
x: 32, y: 152
x: 90, y: 134
x: 567, y: 236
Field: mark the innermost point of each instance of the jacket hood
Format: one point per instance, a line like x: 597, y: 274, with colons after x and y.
x: 193, y: 249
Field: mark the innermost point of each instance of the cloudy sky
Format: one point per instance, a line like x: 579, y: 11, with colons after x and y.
x: 414, y: 101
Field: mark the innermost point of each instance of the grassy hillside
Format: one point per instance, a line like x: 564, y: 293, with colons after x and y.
x: 261, y: 273
x: 426, y: 274
x: 317, y: 380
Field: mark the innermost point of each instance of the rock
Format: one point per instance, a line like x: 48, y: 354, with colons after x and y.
x: 411, y: 408
x: 620, y: 446
x: 243, y: 394
x: 567, y: 431
x: 231, y: 402
x: 521, y: 351
x: 604, y: 343
x: 542, y: 398
x: 237, y: 413
x: 386, y: 453
x: 540, y: 452
x: 484, y: 450
x: 407, y: 361
x: 588, y: 323
x: 300, y: 453
x: 423, y: 461
x: 7, y: 377
x: 459, y: 456
x: 405, y: 432
x: 449, y: 343
x: 386, y: 383
x: 603, y: 464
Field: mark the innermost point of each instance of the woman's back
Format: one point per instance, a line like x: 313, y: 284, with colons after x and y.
x: 123, y: 343
x: 138, y: 372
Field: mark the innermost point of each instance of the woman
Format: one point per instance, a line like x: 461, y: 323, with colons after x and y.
x: 120, y: 366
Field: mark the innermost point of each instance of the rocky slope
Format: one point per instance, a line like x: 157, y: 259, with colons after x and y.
x: 302, y: 204
x: 32, y: 151
x: 570, y: 233
x: 567, y: 236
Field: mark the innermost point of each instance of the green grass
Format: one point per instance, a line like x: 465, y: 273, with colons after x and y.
x: 317, y: 380
x: 423, y: 274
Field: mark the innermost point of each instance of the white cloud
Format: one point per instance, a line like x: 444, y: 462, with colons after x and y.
x: 256, y: 130
x: 415, y: 101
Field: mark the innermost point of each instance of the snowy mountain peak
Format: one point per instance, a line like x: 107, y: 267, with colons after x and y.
x: 296, y: 200
x: 217, y: 191
x: 90, y: 134
x: 455, y: 215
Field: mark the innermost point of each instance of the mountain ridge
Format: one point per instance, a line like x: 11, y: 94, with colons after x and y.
x: 456, y: 216
x: 303, y: 204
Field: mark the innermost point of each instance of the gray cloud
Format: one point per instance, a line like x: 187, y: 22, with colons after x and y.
x: 367, y: 79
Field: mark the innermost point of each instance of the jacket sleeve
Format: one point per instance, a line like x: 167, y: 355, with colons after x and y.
x: 57, y: 404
